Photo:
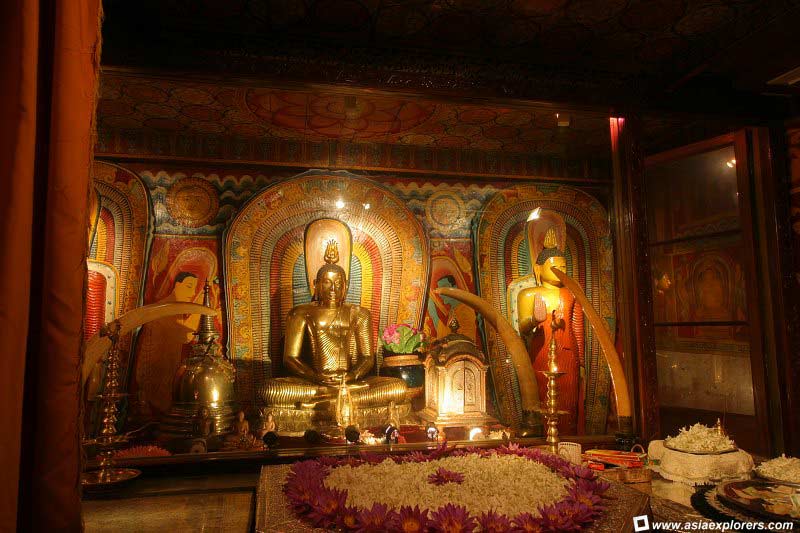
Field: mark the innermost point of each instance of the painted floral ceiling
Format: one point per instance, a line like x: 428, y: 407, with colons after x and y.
x: 654, y: 36
x: 358, y: 116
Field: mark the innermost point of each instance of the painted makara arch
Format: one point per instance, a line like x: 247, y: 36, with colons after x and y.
x: 265, y: 266
x: 502, y: 259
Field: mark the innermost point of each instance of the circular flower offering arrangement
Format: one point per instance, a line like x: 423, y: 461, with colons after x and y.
x: 508, y: 488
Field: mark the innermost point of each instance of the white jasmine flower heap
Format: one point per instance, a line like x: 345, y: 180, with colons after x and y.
x: 700, y: 439
x: 782, y: 468
x: 507, y: 484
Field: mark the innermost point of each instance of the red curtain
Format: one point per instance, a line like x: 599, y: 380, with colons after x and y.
x: 49, y: 57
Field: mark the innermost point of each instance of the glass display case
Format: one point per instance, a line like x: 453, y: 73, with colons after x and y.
x: 709, y: 356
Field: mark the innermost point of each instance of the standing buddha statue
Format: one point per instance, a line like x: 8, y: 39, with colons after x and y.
x: 550, y: 311
x: 340, y: 346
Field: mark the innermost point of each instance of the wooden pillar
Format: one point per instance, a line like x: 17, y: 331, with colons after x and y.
x: 779, y: 308
x: 634, y: 297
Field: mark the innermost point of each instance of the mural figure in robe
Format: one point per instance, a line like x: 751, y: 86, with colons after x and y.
x: 160, y: 348
x: 550, y: 310
x: 442, y: 308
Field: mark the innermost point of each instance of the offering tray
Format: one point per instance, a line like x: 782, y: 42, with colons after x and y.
x: 716, y: 452
x: 696, y: 469
x: 761, y: 498
x: 759, y: 475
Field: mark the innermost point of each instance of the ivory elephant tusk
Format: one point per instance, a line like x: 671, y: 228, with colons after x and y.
x: 621, y: 393
x: 529, y: 391
x: 99, y: 344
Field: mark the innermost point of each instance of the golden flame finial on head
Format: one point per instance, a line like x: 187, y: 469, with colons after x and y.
x: 550, y: 239
x: 332, y: 252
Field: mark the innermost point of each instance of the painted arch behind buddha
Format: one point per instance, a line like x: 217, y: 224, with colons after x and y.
x: 503, y: 263
x: 120, y: 231
x: 265, y: 267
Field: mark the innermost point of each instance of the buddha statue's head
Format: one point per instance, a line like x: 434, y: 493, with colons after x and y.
x: 550, y: 257
x: 329, y: 287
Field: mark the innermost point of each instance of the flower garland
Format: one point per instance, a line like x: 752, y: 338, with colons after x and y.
x: 327, y: 507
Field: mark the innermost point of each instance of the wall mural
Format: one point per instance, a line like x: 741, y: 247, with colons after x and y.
x: 179, y: 267
x: 192, y: 210
x: 451, y: 266
x: 119, y: 239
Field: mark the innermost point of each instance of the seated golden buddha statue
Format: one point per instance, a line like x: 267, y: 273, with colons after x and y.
x: 337, y: 334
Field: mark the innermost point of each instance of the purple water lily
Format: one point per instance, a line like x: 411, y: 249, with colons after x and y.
x: 493, y: 522
x: 412, y: 520
x: 443, y: 476
x: 453, y: 519
x: 377, y: 518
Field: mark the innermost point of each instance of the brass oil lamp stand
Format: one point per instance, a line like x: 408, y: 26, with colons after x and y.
x: 108, y: 474
x: 550, y: 411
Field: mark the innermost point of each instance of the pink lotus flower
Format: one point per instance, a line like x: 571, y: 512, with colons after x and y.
x: 401, y: 338
x: 412, y: 520
x: 453, y: 519
x: 443, y: 476
x: 378, y: 518
x: 526, y: 523
x: 391, y: 335
x: 493, y: 522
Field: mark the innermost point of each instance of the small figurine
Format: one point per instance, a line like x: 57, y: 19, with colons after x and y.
x: 269, y: 424
x: 264, y: 424
x: 203, y: 425
x: 241, y: 431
